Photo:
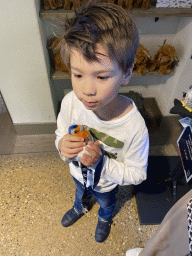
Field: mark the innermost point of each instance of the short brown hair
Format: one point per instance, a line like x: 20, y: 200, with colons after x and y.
x: 101, y: 23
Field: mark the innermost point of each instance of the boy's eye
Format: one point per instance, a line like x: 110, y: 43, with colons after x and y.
x: 99, y: 77
x: 103, y: 77
x: 78, y: 76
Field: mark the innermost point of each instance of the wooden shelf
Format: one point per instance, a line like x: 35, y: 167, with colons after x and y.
x: 151, y: 12
x: 57, y: 75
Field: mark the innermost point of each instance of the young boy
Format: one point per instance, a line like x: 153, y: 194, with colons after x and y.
x: 99, y: 46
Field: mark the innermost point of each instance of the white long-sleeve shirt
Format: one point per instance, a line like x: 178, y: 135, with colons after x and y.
x: 130, y: 165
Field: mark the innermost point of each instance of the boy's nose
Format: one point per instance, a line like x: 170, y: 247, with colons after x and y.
x: 89, y: 88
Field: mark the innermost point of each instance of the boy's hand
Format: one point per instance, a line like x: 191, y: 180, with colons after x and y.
x: 70, y: 145
x: 95, y: 153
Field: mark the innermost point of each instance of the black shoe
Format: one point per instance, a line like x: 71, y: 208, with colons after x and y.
x: 70, y: 217
x: 102, y: 230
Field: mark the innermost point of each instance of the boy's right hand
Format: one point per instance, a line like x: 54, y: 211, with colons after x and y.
x: 70, y: 145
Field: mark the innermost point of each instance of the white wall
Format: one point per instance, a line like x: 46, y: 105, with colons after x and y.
x: 24, y: 83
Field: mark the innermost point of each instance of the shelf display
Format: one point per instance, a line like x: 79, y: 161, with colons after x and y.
x: 163, y: 63
x: 72, y: 4
x: 126, y: 4
x: 135, y: 12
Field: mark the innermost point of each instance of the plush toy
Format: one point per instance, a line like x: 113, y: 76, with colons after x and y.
x: 143, y: 4
x: 129, y: 4
x: 79, y: 131
x: 142, y: 60
x: 165, y: 59
x: 183, y: 107
x: 52, y: 4
x: 125, y: 4
x: 187, y: 99
x: 70, y: 4
x: 109, y: 1
x: 58, y: 63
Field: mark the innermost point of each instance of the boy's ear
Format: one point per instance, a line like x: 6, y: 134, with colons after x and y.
x: 128, y: 76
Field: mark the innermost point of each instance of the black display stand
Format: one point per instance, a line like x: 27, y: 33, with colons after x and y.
x: 165, y: 185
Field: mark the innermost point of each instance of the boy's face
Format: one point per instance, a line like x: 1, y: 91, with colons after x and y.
x: 96, y: 84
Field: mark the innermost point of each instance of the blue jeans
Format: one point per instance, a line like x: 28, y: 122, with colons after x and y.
x: 106, y: 200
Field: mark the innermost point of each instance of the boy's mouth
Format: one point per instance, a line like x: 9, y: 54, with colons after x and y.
x: 90, y: 104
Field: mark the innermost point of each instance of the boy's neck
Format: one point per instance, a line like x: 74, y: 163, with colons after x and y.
x: 116, y: 109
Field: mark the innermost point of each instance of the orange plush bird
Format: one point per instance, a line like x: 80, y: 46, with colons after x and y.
x: 79, y: 131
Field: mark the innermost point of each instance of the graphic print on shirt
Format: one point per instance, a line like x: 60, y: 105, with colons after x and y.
x: 106, y: 139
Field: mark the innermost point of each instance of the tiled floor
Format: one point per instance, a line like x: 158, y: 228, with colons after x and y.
x: 37, y: 189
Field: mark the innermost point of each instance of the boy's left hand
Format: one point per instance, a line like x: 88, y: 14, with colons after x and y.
x: 95, y: 153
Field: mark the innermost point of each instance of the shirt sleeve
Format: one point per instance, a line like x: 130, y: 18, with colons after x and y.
x: 133, y: 170
x: 63, y: 122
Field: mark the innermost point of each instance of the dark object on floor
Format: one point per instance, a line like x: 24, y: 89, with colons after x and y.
x: 164, y: 186
x: 180, y: 110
